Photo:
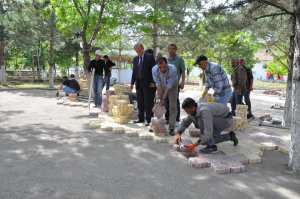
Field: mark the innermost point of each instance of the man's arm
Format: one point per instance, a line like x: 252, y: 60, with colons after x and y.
x: 186, y: 122
x: 133, y: 74
x: 59, y: 89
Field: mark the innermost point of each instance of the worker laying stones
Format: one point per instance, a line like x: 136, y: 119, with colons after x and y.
x: 69, y: 86
x: 166, y: 80
x: 211, y: 119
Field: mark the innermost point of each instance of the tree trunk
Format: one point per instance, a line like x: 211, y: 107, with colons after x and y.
x: 52, y: 51
x: 287, y: 117
x: 2, y: 66
x: 155, y: 29
x: 294, y: 157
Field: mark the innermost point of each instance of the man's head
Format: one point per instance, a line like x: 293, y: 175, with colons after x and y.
x: 98, y: 54
x: 162, y: 64
x: 72, y: 76
x: 139, y: 49
x: 202, y: 62
x: 242, y: 62
x: 150, y: 51
x: 172, y: 50
x: 190, y: 106
x: 105, y: 57
x: 234, y: 62
x: 158, y: 56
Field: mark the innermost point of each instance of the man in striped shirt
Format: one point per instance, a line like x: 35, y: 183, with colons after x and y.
x: 216, y: 78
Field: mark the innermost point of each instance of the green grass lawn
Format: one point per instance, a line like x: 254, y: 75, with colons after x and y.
x: 28, y: 85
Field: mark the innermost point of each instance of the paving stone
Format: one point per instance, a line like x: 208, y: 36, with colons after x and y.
x: 146, y: 136
x: 66, y: 103
x: 268, y: 146
x: 284, y: 149
x: 118, y: 130
x: 194, y: 132
x: 132, y: 133
x: 220, y: 163
x: 60, y: 102
x: 158, y: 139
x: 94, y: 123
x: 106, y: 127
x: 181, y: 145
x: 94, y: 112
x: 85, y: 105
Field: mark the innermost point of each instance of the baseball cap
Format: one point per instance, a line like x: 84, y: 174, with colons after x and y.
x: 199, y: 59
x: 98, y: 52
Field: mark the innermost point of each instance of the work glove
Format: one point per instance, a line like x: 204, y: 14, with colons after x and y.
x: 191, y: 147
x: 211, y: 99
x: 177, y: 138
x: 204, y: 93
x: 57, y: 94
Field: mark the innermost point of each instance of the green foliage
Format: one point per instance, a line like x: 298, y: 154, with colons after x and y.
x: 277, y: 68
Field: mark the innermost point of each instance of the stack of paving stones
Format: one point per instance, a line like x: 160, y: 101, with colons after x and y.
x: 73, y: 97
x: 122, y: 112
x: 241, y: 112
x: 158, y: 123
x: 105, y: 106
x: 121, y: 89
x: 83, y: 86
x: 113, y: 101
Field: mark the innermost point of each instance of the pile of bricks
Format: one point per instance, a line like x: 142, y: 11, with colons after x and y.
x: 73, y: 97
x: 83, y: 86
x: 158, y: 123
x: 121, y: 89
x: 105, y: 106
x: 113, y: 101
x: 122, y: 112
x: 241, y: 112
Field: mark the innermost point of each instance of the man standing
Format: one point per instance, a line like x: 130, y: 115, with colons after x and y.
x: 144, y: 83
x: 249, y: 85
x: 211, y: 119
x: 98, y: 64
x: 108, y: 67
x: 178, y: 62
x: 239, y: 79
x: 69, y: 86
x: 215, y: 78
x: 166, y: 80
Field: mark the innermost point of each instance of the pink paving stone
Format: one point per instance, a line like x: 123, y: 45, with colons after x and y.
x: 194, y: 132
x: 159, y: 111
x: 220, y: 163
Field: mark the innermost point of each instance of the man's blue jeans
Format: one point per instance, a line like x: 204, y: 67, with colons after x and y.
x: 97, y: 86
x: 224, y: 96
x: 68, y: 90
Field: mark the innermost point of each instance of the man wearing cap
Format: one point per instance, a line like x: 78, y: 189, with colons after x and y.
x: 98, y: 64
x: 144, y: 83
x: 178, y: 62
x: 215, y: 78
x: 166, y: 80
x: 108, y: 67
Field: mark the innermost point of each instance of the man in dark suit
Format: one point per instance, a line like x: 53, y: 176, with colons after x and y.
x: 144, y: 83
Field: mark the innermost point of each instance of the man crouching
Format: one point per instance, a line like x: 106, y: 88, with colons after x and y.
x: 211, y: 119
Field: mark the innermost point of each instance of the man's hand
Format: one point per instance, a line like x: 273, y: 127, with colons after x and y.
x: 250, y: 88
x: 152, y: 85
x: 57, y: 94
x: 204, y: 93
x: 181, y: 85
x: 191, y: 147
x: 238, y: 91
x: 177, y: 138
x: 131, y: 86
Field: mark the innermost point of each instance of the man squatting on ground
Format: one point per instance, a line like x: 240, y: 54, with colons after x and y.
x: 69, y: 86
x: 211, y: 119
x: 216, y: 78
x: 166, y: 80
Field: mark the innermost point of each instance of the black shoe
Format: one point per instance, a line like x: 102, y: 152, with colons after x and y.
x: 209, y: 149
x: 67, y: 94
x: 150, y: 130
x: 233, y: 138
x: 138, y: 121
x: 171, y: 132
x: 147, y: 124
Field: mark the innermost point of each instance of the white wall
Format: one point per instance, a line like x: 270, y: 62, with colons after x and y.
x: 259, y: 73
x: 125, y: 75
